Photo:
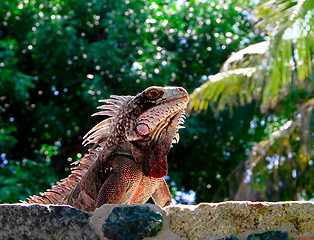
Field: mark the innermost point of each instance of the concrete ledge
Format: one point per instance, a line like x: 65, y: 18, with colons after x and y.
x: 226, y: 220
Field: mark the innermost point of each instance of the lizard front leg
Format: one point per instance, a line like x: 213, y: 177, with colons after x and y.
x: 162, y: 194
x: 152, y: 187
x: 122, y: 182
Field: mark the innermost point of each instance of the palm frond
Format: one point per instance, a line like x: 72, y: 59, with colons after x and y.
x: 223, y: 89
x: 235, y: 83
x: 277, y: 66
x: 278, y: 15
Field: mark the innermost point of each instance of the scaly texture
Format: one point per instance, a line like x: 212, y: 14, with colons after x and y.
x: 128, y: 157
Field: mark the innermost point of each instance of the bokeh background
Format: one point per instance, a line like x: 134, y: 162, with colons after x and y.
x: 248, y: 66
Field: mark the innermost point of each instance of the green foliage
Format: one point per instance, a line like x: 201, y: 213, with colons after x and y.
x: 269, y: 70
x: 57, y: 58
x: 210, y: 147
x: 13, y: 80
x: 281, y: 167
x: 278, y: 75
x: 21, y: 179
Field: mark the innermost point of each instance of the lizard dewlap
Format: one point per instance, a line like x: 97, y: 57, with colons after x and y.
x: 128, y: 156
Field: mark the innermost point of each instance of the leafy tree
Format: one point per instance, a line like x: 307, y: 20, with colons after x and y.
x: 57, y: 58
x: 277, y: 74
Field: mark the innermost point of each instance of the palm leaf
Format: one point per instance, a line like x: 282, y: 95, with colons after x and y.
x: 268, y: 71
x: 278, y: 66
x: 232, y: 84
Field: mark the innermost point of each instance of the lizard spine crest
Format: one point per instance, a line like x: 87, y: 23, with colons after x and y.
x: 97, y: 136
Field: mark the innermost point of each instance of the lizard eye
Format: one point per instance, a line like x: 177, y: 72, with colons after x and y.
x: 153, y: 94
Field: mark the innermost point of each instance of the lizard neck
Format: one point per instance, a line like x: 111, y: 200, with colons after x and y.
x: 122, y: 148
x: 117, y: 143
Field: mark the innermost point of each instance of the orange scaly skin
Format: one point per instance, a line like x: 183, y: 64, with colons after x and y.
x: 128, y: 159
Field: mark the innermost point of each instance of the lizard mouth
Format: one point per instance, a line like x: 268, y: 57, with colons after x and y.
x: 171, y: 100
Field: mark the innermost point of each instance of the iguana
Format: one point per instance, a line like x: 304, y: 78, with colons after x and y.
x: 128, y: 158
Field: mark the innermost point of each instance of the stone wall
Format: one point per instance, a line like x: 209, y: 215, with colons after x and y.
x: 225, y: 221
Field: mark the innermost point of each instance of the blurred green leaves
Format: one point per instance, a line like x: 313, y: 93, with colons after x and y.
x: 277, y: 74
x: 57, y: 58
x: 267, y: 71
x: 21, y: 179
x: 281, y: 166
x: 13, y: 80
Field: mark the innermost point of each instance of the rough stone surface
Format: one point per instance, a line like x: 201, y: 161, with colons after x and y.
x: 217, y: 221
x: 38, y: 222
x: 269, y: 235
x: 242, y: 219
x: 101, y: 215
x: 229, y: 238
x: 133, y: 222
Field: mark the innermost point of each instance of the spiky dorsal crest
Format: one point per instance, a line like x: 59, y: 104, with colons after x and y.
x: 97, y: 136
x: 179, y: 126
x: 56, y: 193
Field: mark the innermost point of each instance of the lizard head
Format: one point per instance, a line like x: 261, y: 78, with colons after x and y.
x: 156, y: 114
x: 148, y: 121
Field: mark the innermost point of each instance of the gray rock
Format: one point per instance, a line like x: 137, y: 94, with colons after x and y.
x: 210, y: 221
x: 132, y: 222
x: 44, y: 222
x: 229, y: 238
